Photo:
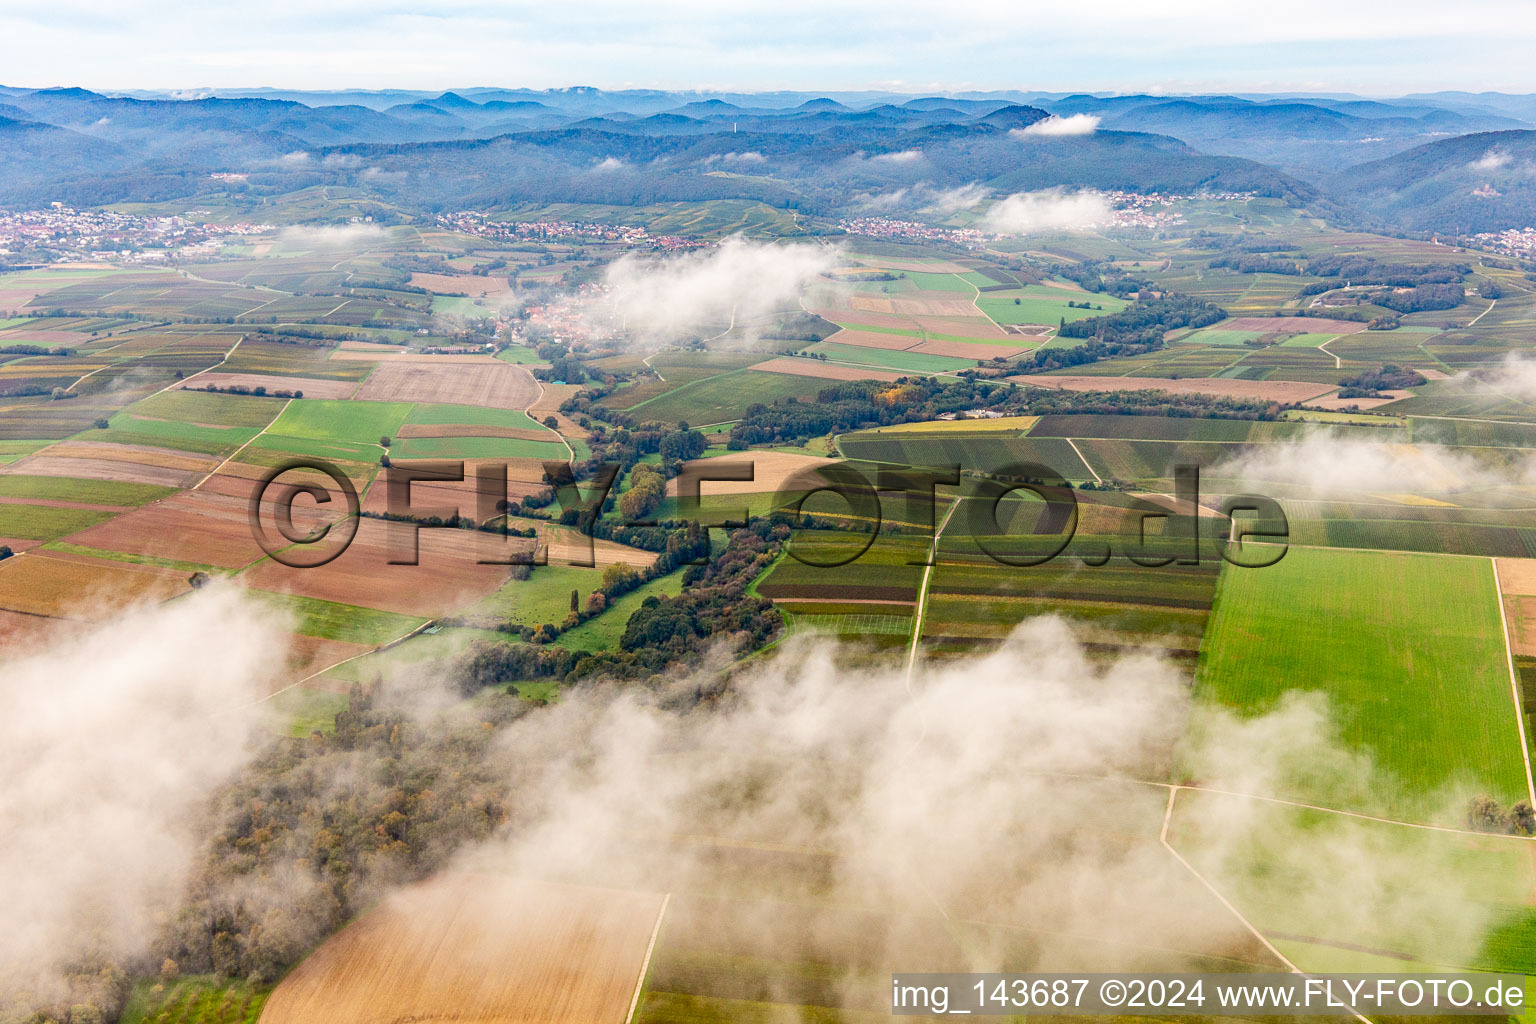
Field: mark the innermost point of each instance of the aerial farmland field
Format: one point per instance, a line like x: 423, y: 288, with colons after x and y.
x: 1408, y: 649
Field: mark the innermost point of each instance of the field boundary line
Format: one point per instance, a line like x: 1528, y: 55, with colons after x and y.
x: 1474, y: 320
x: 300, y: 682
x: 1173, y: 793
x: 922, y: 595
x: 645, y: 965
x: 1096, y: 478
x: 1338, y: 364
x: 1514, y: 678
x: 237, y: 451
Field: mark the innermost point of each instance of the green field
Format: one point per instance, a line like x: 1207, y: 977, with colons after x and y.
x: 340, y: 420
x: 1407, y: 648
x: 40, y: 522
x: 476, y: 448
x: 544, y: 597
x: 211, y: 409
x: 427, y: 414
x: 1039, y: 304
x: 95, y: 492
x: 331, y: 621
x: 916, y: 362
x: 194, y: 1000
x: 726, y: 396
x: 604, y: 632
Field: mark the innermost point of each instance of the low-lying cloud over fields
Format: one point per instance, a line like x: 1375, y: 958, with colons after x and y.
x: 1016, y: 789
x: 1328, y: 464
x: 111, y: 742
x: 1054, y: 209
x: 668, y: 301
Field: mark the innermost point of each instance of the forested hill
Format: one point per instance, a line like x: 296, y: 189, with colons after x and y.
x: 1471, y: 183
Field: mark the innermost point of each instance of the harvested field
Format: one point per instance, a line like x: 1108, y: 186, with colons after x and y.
x: 551, y: 398
x: 914, y: 266
x: 567, y: 547
x: 967, y: 350
x: 1517, y: 585
x: 77, y: 587
x: 1338, y: 404
x: 824, y: 371
x: 770, y: 470
x: 849, y: 315
x: 478, y: 948
x: 483, y: 381
x: 927, y: 306
x: 524, y: 477
x: 873, y: 339
x: 469, y: 430
x: 377, y: 353
x: 313, y: 387
x: 122, y: 462
x: 466, y: 284
x: 370, y: 346
x: 1291, y: 325
x: 965, y: 327
x: 447, y: 575
x: 1285, y: 391
x: 202, y: 527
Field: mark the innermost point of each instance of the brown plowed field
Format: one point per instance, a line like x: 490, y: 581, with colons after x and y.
x: 874, y: 339
x: 114, y: 462
x: 205, y: 527
x: 825, y: 371
x: 446, y: 576
x: 1285, y: 391
x: 965, y: 327
x: 462, y: 284
x: 914, y: 306
x: 478, y: 948
x: 769, y: 471
x: 967, y: 350
x: 524, y: 477
x: 1517, y: 583
x: 1336, y: 404
x: 484, y: 381
x: 313, y: 387
x: 865, y: 318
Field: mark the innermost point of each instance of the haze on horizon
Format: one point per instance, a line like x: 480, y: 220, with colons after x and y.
x: 1184, y: 46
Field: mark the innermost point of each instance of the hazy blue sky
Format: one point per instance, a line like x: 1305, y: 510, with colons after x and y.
x: 1162, y: 45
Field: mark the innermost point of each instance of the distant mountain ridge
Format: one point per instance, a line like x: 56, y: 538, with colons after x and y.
x: 1401, y: 161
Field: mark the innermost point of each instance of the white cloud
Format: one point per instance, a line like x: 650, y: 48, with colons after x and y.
x: 110, y: 741
x: 1492, y: 160
x: 1075, y: 124
x: 905, y: 156
x: 1049, y: 210
x: 662, y: 301
x: 953, y: 200
x: 609, y: 163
